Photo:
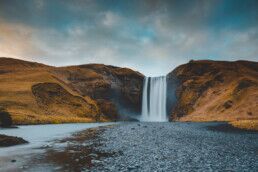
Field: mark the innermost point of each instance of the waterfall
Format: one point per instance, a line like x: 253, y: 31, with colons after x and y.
x: 154, y: 99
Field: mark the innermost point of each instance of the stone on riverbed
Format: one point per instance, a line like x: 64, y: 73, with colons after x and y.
x: 11, y: 140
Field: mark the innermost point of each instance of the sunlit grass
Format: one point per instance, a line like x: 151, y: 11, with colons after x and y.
x: 23, y: 120
x: 246, y: 124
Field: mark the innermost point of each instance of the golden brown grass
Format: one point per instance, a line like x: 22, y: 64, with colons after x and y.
x: 246, y: 124
x: 56, y: 119
x: 17, y: 98
x: 219, y: 93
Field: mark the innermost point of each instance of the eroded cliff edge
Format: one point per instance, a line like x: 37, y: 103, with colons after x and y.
x: 214, y: 91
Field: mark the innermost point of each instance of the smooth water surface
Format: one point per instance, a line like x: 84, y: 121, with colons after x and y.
x: 40, y: 135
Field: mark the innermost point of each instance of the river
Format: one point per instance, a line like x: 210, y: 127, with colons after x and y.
x: 38, y: 136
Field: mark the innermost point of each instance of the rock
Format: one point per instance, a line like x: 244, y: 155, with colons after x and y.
x: 47, y: 146
x: 11, y: 141
x: 94, y: 161
x: 108, y: 108
x: 57, y: 168
x: 5, y: 118
x: 130, y: 168
x: 93, y: 155
x: 24, y: 167
x: 228, y: 104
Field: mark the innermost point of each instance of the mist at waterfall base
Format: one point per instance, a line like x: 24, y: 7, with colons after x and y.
x: 154, y: 99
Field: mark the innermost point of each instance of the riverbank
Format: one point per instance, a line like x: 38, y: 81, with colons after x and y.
x: 152, y: 147
x: 40, y: 138
x: 235, y: 126
x: 246, y: 124
x: 39, y: 120
x: 243, y: 124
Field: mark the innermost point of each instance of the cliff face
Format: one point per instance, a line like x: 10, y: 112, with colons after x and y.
x: 214, y: 91
x: 36, y: 93
x: 115, y: 89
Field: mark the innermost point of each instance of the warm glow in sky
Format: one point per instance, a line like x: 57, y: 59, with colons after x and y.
x: 151, y: 36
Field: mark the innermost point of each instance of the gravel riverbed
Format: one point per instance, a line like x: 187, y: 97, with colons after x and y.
x: 139, y: 146
x: 177, y: 147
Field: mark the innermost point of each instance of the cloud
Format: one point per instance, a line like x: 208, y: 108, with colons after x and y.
x: 110, y: 19
x: 152, y: 36
x: 17, y: 40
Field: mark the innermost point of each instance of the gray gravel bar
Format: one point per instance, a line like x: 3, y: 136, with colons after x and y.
x: 151, y: 147
x: 177, y: 147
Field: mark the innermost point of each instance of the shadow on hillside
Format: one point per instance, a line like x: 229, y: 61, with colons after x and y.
x: 227, y: 128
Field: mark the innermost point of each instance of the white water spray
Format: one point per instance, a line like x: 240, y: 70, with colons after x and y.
x: 154, y: 99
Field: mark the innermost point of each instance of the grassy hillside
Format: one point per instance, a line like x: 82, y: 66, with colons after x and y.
x: 216, y: 91
x: 34, y: 93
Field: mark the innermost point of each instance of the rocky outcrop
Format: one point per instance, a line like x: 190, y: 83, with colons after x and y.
x: 5, y: 118
x: 108, y: 108
x: 6, y: 141
x: 214, y: 91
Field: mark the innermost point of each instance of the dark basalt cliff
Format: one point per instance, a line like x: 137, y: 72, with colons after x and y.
x: 37, y: 93
x: 213, y: 91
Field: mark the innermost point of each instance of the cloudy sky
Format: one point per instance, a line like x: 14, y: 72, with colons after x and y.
x: 151, y: 36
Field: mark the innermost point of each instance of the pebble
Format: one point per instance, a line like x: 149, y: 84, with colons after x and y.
x: 93, y: 155
x: 94, y: 161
